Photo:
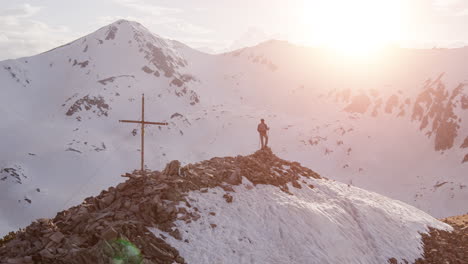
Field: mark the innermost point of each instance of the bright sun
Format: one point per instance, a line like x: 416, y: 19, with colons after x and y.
x: 352, y: 27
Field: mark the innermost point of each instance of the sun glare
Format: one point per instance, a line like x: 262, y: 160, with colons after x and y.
x: 352, y: 28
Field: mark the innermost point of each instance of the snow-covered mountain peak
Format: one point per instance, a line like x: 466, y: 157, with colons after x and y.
x: 121, y: 43
x: 129, y: 31
x: 122, y: 21
x: 120, y: 54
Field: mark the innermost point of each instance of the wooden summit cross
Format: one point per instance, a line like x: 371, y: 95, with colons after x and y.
x: 143, y: 123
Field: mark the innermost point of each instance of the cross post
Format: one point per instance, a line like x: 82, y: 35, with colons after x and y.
x: 143, y: 123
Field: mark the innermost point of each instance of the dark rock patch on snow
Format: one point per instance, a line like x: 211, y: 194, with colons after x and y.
x: 177, y: 82
x: 359, y: 104
x: 465, y: 143
x: 343, y: 95
x: 377, y: 106
x: 113, y: 78
x: 192, y: 95
x: 81, y: 64
x: 88, y: 102
x: 18, y: 75
x: 464, y: 102
x: 436, y: 104
x: 157, y: 57
x: 73, y: 150
x: 182, y: 80
x: 260, y: 59
x: 99, y: 148
x: 176, y: 115
x: 111, y: 32
x: 147, y: 69
x: 392, y: 102
x: 15, y: 173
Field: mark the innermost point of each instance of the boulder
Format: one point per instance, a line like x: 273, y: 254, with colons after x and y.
x: 57, y: 237
x: 107, y: 200
x: 228, y: 198
x: 121, y: 186
x: 15, y: 261
x: 134, y: 208
x: 172, y: 168
x: 235, y: 177
x: 161, y: 186
x: 109, y: 234
x: 46, y: 253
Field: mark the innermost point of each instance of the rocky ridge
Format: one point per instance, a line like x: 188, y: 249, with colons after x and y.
x: 447, y: 247
x: 113, y: 225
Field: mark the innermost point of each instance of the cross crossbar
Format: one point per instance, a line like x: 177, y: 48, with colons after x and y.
x: 144, y: 122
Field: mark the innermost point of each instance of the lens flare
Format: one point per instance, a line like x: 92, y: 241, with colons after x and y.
x: 125, y: 252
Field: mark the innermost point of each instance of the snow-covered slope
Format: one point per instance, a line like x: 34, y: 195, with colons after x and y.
x: 397, y: 126
x: 332, y: 223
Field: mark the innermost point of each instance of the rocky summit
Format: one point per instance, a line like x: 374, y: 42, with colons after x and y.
x: 244, y: 209
x: 112, y: 227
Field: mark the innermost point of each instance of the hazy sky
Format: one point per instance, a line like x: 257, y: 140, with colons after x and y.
x: 30, y: 27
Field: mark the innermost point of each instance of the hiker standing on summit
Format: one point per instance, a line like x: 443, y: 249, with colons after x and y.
x: 262, y: 129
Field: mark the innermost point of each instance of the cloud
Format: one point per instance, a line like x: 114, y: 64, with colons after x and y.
x: 21, y: 35
x: 190, y: 28
x: 106, y: 20
x: 24, y: 10
x: 445, y: 3
x: 450, y: 7
x: 461, y: 13
x: 155, y: 15
x: 201, y: 9
x: 148, y: 8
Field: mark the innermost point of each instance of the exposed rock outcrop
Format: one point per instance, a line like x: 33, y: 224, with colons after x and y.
x: 447, y: 247
x: 88, y: 102
x: 359, y: 104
